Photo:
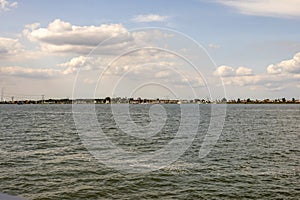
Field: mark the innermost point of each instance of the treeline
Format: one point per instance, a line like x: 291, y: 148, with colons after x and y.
x: 125, y: 100
x: 265, y: 101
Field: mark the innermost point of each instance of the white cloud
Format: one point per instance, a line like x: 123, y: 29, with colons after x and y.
x: 84, y: 63
x: 274, y: 69
x: 225, y: 71
x: 12, y: 51
x: 286, y: 66
x: 150, y: 18
x: 73, y: 65
x: 141, y: 61
x: 144, y: 64
x: 7, y: 5
x: 9, y: 46
x: 279, y: 76
x: 69, y: 67
x: 32, y: 26
x: 241, y: 76
x: 60, y: 36
x: 63, y: 33
x: 274, y: 8
x: 243, y: 71
x: 214, y: 46
x: 63, y: 37
x: 28, y: 72
x: 245, y: 80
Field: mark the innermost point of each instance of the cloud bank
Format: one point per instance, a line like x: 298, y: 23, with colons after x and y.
x: 277, y: 76
x: 274, y: 8
x: 68, y: 45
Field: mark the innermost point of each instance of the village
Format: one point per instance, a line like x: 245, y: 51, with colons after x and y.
x: 125, y: 100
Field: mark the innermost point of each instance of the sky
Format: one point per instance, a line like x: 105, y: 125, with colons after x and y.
x: 165, y: 49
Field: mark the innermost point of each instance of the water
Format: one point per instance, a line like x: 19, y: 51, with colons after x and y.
x: 257, y: 155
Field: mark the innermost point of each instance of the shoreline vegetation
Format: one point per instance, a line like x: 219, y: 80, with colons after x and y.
x: 125, y: 100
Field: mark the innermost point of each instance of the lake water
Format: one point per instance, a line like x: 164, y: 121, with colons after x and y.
x: 257, y: 155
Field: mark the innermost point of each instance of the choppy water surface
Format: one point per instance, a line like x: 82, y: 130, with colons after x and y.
x: 256, y: 157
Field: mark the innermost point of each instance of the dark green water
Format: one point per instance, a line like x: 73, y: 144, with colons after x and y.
x: 256, y: 157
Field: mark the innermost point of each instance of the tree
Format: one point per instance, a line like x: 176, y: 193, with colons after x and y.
x: 107, y: 100
x: 139, y: 99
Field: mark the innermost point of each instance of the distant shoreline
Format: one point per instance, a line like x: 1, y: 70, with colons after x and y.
x: 120, y: 100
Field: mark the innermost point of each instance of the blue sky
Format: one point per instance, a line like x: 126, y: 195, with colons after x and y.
x: 254, y: 44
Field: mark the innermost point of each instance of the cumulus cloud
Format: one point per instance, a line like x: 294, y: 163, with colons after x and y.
x: 28, y: 72
x: 224, y: 71
x: 73, y: 65
x: 30, y: 27
x: 69, y: 67
x: 286, y: 66
x: 274, y: 69
x: 240, y: 76
x: 227, y: 71
x: 84, y: 63
x: 150, y: 18
x: 141, y: 60
x: 12, y: 50
x: 7, y: 5
x: 278, y: 76
x: 144, y: 64
x: 9, y: 46
x: 243, y: 71
x: 274, y: 8
x: 60, y: 36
